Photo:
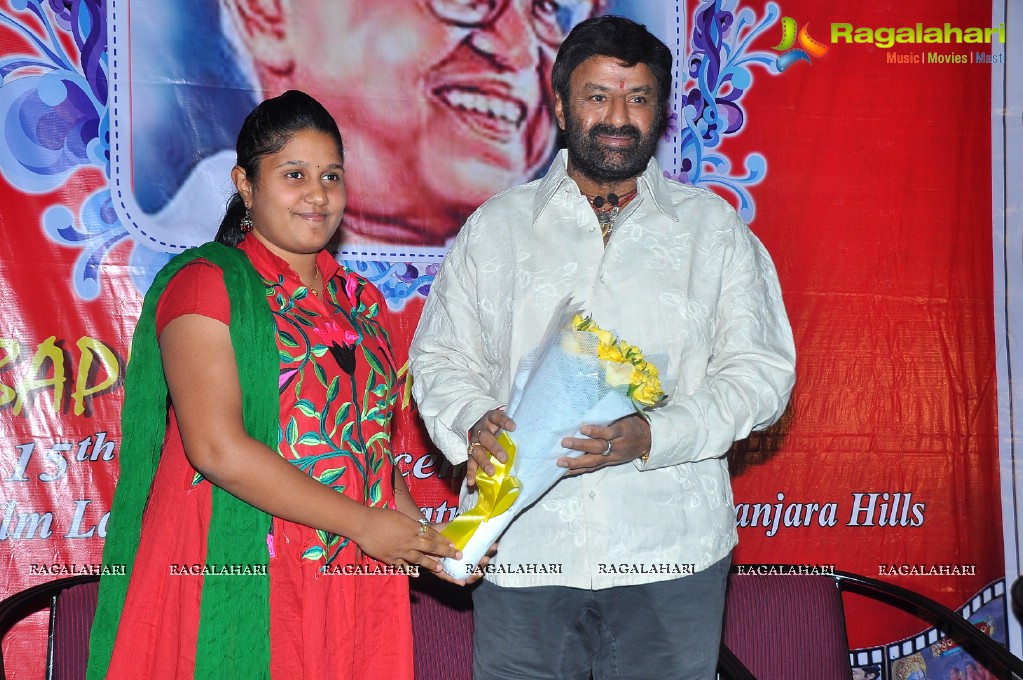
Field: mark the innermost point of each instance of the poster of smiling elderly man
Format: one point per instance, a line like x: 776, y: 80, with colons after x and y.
x: 442, y: 104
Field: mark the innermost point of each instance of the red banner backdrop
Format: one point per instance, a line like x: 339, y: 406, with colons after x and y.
x: 876, y: 209
x: 864, y: 167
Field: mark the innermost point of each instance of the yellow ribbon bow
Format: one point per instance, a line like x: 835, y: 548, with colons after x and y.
x: 497, y: 492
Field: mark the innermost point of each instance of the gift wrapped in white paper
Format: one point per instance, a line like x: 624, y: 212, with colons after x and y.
x: 559, y: 387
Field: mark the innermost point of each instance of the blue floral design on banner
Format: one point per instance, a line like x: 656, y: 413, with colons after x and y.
x: 53, y: 120
x: 397, y: 282
x: 53, y: 113
x: 719, y: 68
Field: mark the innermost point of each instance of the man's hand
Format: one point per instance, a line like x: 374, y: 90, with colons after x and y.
x: 620, y: 442
x: 483, y: 443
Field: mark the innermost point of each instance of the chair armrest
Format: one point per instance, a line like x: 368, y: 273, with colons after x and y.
x: 950, y: 622
x: 729, y: 666
x: 28, y: 601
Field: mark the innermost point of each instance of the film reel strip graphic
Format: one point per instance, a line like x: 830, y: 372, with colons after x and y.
x: 884, y: 656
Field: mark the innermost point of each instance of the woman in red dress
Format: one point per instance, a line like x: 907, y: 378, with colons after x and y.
x: 259, y: 512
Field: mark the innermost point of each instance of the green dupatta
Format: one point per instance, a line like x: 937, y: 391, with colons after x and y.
x: 234, y: 624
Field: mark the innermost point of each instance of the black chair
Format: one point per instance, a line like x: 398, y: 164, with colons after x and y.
x: 792, y: 627
x: 72, y: 605
x: 1016, y: 598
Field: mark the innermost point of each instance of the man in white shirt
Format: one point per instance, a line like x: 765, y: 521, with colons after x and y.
x: 642, y: 527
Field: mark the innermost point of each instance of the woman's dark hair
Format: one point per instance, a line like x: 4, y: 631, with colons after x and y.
x: 267, y: 130
x: 618, y: 38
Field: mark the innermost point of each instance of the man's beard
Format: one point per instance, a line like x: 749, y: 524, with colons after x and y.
x: 605, y: 164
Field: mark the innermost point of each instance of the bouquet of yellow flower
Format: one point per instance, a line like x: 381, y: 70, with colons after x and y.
x: 624, y: 364
x: 579, y: 374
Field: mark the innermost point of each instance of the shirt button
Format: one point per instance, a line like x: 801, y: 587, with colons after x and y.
x: 593, y: 494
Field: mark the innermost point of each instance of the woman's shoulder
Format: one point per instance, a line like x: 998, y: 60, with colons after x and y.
x: 197, y: 288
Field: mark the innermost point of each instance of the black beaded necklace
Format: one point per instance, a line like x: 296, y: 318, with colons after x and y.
x: 607, y: 209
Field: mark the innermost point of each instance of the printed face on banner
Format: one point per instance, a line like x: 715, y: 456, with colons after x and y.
x: 441, y: 103
x: 438, y: 116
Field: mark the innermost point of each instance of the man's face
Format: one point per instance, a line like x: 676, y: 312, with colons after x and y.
x: 438, y: 113
x: 611, y: 119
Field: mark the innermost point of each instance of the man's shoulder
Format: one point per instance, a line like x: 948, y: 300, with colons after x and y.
x: 506, y: 209
x: 682, y: 199
x: 518, y: 197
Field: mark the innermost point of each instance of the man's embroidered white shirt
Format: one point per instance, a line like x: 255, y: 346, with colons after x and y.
x: 681, y: 276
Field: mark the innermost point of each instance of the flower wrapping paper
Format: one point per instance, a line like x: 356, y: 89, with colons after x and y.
x: 579, y: 374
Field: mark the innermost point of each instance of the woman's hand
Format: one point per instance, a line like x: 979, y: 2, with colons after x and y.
x: 476, y: 574
x: 396, y: 539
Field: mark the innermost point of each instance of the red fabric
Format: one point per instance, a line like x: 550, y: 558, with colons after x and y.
x: 200, y: 291
x: 787, y: 627
x: 876, y: 211
x: 323, y: 624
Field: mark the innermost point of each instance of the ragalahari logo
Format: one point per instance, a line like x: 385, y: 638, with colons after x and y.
x: 807, y: 45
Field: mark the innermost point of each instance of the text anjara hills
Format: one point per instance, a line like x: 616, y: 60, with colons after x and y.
x: 868, y: 510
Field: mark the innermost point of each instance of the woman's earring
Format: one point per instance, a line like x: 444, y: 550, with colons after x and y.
x: 246, y: 223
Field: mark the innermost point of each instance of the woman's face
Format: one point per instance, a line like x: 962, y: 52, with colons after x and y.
x: 437, y: 117
x: 298, y: 196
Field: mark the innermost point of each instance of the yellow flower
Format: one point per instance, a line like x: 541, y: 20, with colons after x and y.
x: 645, y: 384
x: 627, y: 367
x: 648, y: 394
x: 611, y: 353
x: 634, y: 354
x: 605, y: 338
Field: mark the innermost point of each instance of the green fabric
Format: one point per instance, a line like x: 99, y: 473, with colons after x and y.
x: 234, y: 626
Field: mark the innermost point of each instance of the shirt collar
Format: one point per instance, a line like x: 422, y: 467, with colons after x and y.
x: 551, y: 182
x: 269, y: 265
x: 651, y: 182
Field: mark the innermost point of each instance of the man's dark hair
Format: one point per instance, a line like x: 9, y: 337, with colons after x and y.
x: 267, y: 129
x: 616, y: 37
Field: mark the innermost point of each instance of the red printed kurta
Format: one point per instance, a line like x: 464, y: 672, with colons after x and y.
x: 337, y: 394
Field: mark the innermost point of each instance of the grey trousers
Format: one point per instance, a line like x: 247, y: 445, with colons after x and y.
x: 669, y: 629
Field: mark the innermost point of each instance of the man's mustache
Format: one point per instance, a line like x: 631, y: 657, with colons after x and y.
x: 605, y: 130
